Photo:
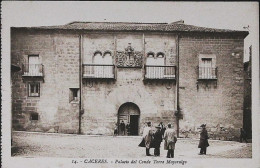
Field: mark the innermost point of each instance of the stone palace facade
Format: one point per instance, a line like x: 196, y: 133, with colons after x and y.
x: 84, y: 77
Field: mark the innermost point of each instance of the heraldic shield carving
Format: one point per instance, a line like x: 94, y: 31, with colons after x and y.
x: 129, y: 58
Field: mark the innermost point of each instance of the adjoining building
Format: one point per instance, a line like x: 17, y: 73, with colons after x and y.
x: 84, y: 77
x: 247, y: 117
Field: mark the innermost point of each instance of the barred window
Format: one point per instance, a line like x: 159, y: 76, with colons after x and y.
x: 34, y: 89
x: 74, y: 95
x: 34, y: 117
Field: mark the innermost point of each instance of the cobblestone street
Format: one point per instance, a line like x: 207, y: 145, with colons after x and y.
x: 27, y: 144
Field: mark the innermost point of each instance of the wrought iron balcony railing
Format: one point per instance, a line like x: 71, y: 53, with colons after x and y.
x: 98, y: 71
x: 160, y: 72
x: 33, y: 70
x: 207, y: 73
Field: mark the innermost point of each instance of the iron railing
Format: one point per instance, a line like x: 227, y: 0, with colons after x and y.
x: 207, y: 73
x: 160, y: 72
x: 33, y: 70
x: 98, y: 71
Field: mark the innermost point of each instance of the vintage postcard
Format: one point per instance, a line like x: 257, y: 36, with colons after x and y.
x: 130, y: 84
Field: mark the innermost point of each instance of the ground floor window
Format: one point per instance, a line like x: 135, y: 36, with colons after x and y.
x: 74, y: 95
x: 34, y: 117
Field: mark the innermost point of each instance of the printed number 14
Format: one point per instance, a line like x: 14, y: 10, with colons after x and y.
x: 74, y: 161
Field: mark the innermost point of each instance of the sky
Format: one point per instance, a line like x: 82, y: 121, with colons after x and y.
x: 227, y: 15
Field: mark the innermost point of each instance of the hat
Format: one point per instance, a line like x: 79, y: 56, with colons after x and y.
x: 203, y: 125
x: 158, y: 126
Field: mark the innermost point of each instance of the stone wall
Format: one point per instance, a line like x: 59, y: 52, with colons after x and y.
x: 219, y: 103
x: 102, y: 98
x: 59, y: 53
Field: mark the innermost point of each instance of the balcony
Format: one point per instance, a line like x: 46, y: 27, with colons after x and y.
x: 96, y: 71
x: 33, y: 70
x: 160, y: 72
x: 207, y: 73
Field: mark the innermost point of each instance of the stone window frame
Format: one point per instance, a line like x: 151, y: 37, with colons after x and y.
x: 155, y: 56
x: 207, y: 56
x: 107, y: 51
x: 102, y: 55
x: 29, y: 89
x: 72, y: 91
x: 150, y: 53
x: 96, y: 52
x: 160, y: 53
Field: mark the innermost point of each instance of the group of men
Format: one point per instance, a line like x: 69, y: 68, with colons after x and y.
x: 153, y: 139
x: 123, y: 129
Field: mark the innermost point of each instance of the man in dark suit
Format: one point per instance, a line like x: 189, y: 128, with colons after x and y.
x: 203, y: 144
x: 122, y: 127
x: 157, y: 140
x: 128, y: 129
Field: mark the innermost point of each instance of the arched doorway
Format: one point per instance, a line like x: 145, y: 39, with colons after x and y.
x: 129, y: 113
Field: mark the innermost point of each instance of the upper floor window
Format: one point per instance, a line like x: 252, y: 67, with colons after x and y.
x: 155, y: 60
x: 105, y: 58
x: 33, y: 67
x: 34, y: 89
x: 207, y: 66
x: 97, y: 58
x: 150, y: 59
x: 160, y: 59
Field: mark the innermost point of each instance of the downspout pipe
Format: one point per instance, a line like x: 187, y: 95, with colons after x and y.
x: 177, y: 114
x: 80, y: 81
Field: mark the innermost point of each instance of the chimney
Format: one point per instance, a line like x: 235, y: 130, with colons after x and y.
x: 178, y: 22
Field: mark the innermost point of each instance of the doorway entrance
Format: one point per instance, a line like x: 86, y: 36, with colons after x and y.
x: 129, y: 113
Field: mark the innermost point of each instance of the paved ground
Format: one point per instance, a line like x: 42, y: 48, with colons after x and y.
x: 84, y: 146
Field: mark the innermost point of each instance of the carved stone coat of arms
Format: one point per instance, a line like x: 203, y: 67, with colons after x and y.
x: 129, y: 58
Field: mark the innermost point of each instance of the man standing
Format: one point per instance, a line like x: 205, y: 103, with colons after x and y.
x: 116, y: 130
x: 170, y: 140
x: 148, y: 136
x: 128, y: 128
x: 162, y: 128
x: 157, y: 140
x: 203, y: 144
x: 122, y: 127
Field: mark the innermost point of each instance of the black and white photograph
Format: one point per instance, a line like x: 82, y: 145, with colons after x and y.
x: 130, y: 84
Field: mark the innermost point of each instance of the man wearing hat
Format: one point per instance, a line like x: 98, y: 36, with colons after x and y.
x: 203, y: 144
x: 148, y: 136
x: 157, y: 140
x: 170, y: 140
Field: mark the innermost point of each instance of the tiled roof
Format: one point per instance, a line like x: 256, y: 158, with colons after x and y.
x: 133, y: 26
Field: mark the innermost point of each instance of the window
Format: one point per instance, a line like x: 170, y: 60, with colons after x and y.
x: 34, y: 65
x: 160, y: 59
x: 34, y: 117
x: 155, y: 66
x: 207, y: 66
x: 34, y: 89
x: 103, y: 68
x: 74, y: 95
x: 150, y: 59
